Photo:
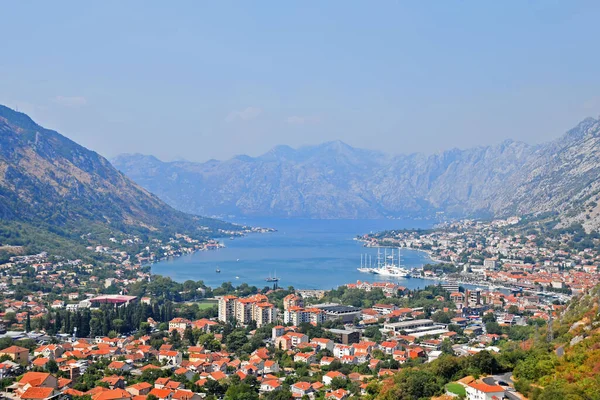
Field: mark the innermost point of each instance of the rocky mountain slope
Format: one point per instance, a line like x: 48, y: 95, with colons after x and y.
x: 51, y: 182
x: 334, y: 180
x: 562, y: 177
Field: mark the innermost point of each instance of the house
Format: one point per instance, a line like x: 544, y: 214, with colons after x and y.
x: 277, y: 331
x: 300, y: 389
x: 18, y: 354
x: 482, y: 391
x: 170, y: 357
x: 340, y: 394
x: 217, y: 375
x: 115, y: 394
x: 271, y: 367
x: 270, y: 385
x: 36, y: 379
x: 38, y: 393
x: 139, y: 389
x: 120, y: 366
x: 297, y: 338
x: 331, y: 375
x: 114, y: 382
x: 326, y: 361
x: 323, y: 343
x: 308, y: 358
x: 51, y: 351
x: 162, y: 394
x: 389, y: 347
x: 185, y: 372
x: 348, y: 360
x: 340, y: 350
x: 185, y: 395
x: 179, y: 324
x: 204, y: 324
x: 40, y: 362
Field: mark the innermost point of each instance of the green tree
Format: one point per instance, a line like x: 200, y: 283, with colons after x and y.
x: 52, y: 366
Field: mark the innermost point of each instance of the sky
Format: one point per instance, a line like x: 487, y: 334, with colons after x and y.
x: 200, y: 80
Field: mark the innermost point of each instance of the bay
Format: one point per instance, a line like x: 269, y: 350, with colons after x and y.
x: 306, y: 254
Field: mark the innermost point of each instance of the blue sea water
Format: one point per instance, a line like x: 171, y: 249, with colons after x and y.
x: 306, y: 254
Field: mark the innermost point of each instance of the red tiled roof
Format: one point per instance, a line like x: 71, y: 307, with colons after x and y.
x: 38, y: 393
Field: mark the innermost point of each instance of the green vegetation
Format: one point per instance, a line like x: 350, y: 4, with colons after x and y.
x: 456, y: 388
x: 410, y: 298
x: 543, y: 375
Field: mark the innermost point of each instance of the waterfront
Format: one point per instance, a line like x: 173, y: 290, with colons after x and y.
x: 306, y: 254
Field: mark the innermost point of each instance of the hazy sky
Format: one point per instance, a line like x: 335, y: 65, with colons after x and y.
x: 200, y: 80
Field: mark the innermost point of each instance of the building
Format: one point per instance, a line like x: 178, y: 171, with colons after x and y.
x: 292, y: 300
x: 408, y: 325
x: 297, y: 315
x: 179, y: 324
x: 416, y: 328
x: 331, y: 375
x: 244, y: 310
x: 117, y: 299
x: 170, y: 357
x: 337, y: 311
x: 227, y: 308
x: 482, y: 391
x: 450, y: 286
x: 384, y: 309
x: 18, y: 354
x: 458, y: 298
x: 264, y: 314
x: 345, y: 336
x: 290, y: 340
x: 490, y: 263
x: 277, y: 331
x: 474, y: 298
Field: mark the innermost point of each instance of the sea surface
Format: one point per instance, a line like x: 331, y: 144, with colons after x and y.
x: 306, y: 254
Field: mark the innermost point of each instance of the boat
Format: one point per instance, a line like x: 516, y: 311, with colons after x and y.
x: 218, y: 271
x: 237, y: 277
x: 388, y: 268
x: 272, y: 278
x: 365, y: 266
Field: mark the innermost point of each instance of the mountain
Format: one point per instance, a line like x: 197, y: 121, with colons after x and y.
x: 562, y: 176
x: 332, y: 180
x: 49, y: 182
x: 335, y: 180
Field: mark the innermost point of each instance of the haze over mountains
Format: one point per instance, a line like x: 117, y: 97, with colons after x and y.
x: 335, y: 180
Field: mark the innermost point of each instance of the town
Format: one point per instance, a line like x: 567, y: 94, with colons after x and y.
x: 501, y: 254
x: 72, y: 329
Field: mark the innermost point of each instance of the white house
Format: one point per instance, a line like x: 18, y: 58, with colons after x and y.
x: 170, y: 357
x: 483, y: 391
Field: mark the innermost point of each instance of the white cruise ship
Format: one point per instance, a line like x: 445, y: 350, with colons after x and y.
x: 385, y: 267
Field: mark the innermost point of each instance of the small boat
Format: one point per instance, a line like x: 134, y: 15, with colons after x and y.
x: 237, y: 277
x: 218, y: 271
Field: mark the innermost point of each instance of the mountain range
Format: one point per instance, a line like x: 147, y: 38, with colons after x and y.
x: 335, y: 180
x: 50, y: 183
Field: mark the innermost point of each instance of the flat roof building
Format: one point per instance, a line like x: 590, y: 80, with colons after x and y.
x: 346, y: 336
x: 337, y: 311
x: 112, y: 299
